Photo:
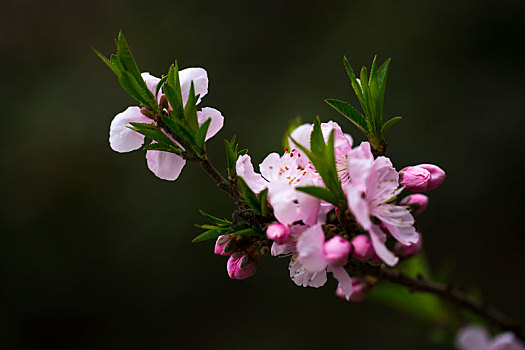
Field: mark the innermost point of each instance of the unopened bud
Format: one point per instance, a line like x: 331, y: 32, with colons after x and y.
x: 361, y: 288
x: 421, y: 178
x: 363, y: 249
x: 279, y: 233
x: 235, y: 271
x: 221, y: 243
x: 336, y: 251
x: 406, y: 251
x: 417, y: 203
x: 146, y: 112
x: 163, y: 103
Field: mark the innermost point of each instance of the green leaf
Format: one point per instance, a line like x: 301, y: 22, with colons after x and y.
x: 248, y: 232
x: 350, y: 113
x: 249, y: 197
x: 319, y: 192
x: 190, y: 109
x: 178, y: 128
x: 317, y: 145
x: 263, y: 202
x: 162, y: 147
x: 388, y: 124
x: 136, y: 90
x: 215, y: 220
x: 154, y: 134
x: 292, y: 125
x: 355, y: 84
x: 382, y: 76
x: 366, y: 98
x: 200, y: 137
x: 159, y: 85
x: 173, y: 92
x: 126, y: 58
x: 375, y: 104
x: 108, y: 63
x: 210, y: 234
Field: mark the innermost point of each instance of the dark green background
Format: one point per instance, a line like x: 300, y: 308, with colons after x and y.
x: 96, y: 252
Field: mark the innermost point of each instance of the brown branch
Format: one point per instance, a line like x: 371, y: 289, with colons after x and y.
x: 449, y: 293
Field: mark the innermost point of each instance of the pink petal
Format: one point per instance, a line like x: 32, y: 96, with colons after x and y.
x: 282, y: 198
x: 310, y: 248
x: 360, y: 162
x: 472, y: 338
x: 398, y: 221
x: 506, y: 341
x: 244, y: 169
x: 165, y: 165
x: 358, y: 206
x: 302, y: 135
x: 382, y: 182
x: 270, y: 167
x: 342, y: 145
x: 217, y: 120
x: 121, y: 138
x: 200, y: 82
x: 378, y: 241
x: 309, y: 207
x: 305, y: 278
x: 345, y: 282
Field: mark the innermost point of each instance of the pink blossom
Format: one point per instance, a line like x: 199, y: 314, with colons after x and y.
x: 421, y: 178
x: 477, y: 338
x: 239, y: 267
x: 164, y: 165
x: 373, y: 183
x: 279, y: 233
x: 221, y: 243
x: 336, y: 251
x: 416, y: 202
x: 281, y: 175
x: 313, y: 259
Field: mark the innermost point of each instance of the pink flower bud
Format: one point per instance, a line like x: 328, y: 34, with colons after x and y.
x: 416, y: 202
x: 279, y: 233
x: 363, y: 249
x: 421, y: 178
x: 336, y: 251
x: 406, y: 251
x: 221, y: 243
x: 237, y: 268
x: 361, y: 288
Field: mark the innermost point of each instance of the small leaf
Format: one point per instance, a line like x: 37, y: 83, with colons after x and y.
x: 173, y: 93
x: 250, y: 198
x: 178, y: 128
x: 292, y: 125
x: 159, y: 85
x: 210, y: 234
x: 317, y: 145
x: 263, y: 202
x: 136, y: 90
x: 154, y: 134
x: 214, y: 219
x: 350, y: 113
x: 126, y: 57
x: 388, y: 124
x: 200, y: 137
x: 164, y: 148
x: 319, y: 192
x: 355, y: 84
x: 248, y: 232
x: 190, y: 109
x: 108, y: 63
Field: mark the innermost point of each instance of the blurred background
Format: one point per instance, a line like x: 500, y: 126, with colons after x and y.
x: 96, y: 251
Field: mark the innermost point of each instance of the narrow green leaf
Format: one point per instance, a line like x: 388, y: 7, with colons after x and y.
x: 190, y: 109
x: 173, y: 92
x: 249, y: 197
x: 373, y: 85
x: 367, y: 107
x: 153, y: 134
x: 214, y: 219
x: 108, y: 63
x: 231, y: 156
x: 388, y: 124
x: 162, y: 147
x: 116, y: 62
x: 319, y: 192
x: 210, y: 234
x: 248, y: 232
x: 350, y: 113
x: 355, y: 84
x: 382, y: 76
x: 179, y: 129
x: 159, y: 85
x: 133, y: 88
x: 292, y: 125
x: 126, y: 57
x: 263, y: 202
x: 200, y: 136
x: 317, y: 145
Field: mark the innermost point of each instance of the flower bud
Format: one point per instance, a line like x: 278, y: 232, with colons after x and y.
x: 421, y: 178
x: 279, y: 233
x: 363, y: 249
x: 221, y: 243
x: 336, y: 251
x: 406, y: 251
x: 235, y: 268
x: 361, y: 288
x: 417, y: 203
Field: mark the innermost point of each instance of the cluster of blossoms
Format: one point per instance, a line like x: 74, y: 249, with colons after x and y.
x: 303, y: 230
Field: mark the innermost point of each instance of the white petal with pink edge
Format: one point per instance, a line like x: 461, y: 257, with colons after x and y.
x: 165, y: 165
x: 121, y: 138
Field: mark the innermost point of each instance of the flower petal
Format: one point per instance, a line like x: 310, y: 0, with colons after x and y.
x: 345, y: 282
x: 472, y: 338
x: 310, y: 248
x: 123, y: 139
x: 165, y: 165
x: 305, y: 278
x: 200, y: 83
x: 244, y: 169
x: 398, y: 221
x: 309, y: 207
x: 217, y: 120
x: 378, y: 238
x: 282, y: 198
x: 358, y: 206
x: 270, y: 167
x: 360, y: 162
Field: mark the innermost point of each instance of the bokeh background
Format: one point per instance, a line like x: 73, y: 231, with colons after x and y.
x: 96, y: 252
